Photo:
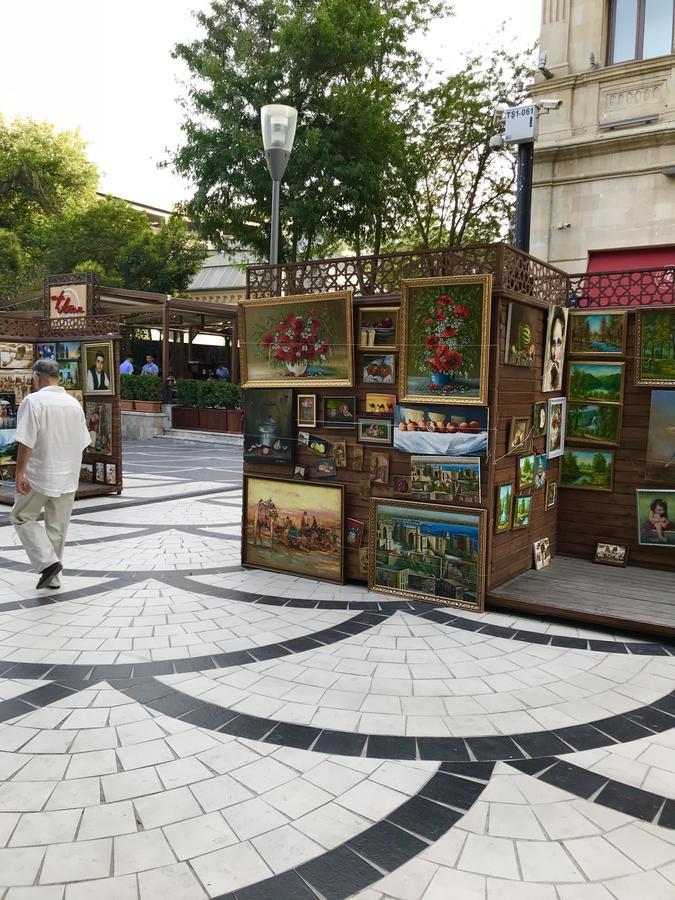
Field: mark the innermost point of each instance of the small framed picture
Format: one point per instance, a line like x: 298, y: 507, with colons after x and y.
x: 520, y: 434
x: 551, y: 494
x: 340, y: 454
x: 378, y: 328
x: 339, y: 412
x: 45, y: 351
x: 504, y: 507
x: 318, y: 445
x: 326, y: 469
x: 540, y: 426
x: 87, y: 472
x: 363, y: 560
x: 611, y: 554
x: 379, y: 369
x: 110, y: 473
x: 380, y: 405
x: 526, y: 472
x: 521, y: 512
x: 542, y: 553
x: 354, y: 533
x: 364, y: 489
x: 357, y: 457
x: 374, y: 431
x: 307, y: 410
x: 303, y: 438
x: 379, y: 468
x: 555, y: 437
x: 100, y: 472
x: 540, y: 467
x: 401, y: 486
x: 300, y: 472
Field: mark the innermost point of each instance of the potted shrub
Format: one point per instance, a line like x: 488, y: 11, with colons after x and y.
x: 127, y: 391
x: 148, y: 393
x: 212, y: 414
x: 185, y: 414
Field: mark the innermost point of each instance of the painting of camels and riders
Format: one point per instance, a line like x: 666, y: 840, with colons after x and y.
x: 293, y: 527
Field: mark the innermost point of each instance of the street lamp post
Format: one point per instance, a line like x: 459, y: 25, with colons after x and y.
x: 278, y: 131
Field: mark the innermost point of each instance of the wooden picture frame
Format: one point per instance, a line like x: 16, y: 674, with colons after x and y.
x: 645, y: 322
x: 389, y: 518
x: 656, y: 517
x: 551, y: 495
x: 379, y: 368
x: 306, y: 411
x: 609, y: 553
x: 522, y: 509
x: 282, y: 345
x: 339, y: 412
x: 526, y: 472
x: 521, y: 326
x: 269, y: 433
x: 311, y: 545
x: 380, y: 405
x: 504, y: 507
x: 541, y: 550
x: 520, y: 435
x: 437, y: 366
x: 554, y: 349
x: 579, y: 469
x: 598, y: 332
x: 587, y: 377
x: 448, y: 479
x: 378, y: 328
x: 540, y: 419
x: 595, y: 424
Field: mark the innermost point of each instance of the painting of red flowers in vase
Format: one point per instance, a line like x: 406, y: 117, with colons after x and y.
x: 297, y: 341
x: 446, y: 336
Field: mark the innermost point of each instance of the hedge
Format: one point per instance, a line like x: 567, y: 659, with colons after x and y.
x: 208, y: 394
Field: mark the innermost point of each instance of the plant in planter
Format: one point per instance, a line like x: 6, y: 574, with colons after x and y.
x: 233, y: 402
x: 127, y: 391
x: 212, y: 415
x: 185, y: 414
x: 149, y: 393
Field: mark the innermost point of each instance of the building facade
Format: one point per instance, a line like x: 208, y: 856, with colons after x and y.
x: 604, y: 163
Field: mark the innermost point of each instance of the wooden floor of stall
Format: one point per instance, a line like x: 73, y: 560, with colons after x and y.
x: 633, y: 598
x: 85, y: 489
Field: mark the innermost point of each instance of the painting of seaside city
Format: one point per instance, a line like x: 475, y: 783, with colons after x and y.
x: 293, y: 527
x: 427, y: 552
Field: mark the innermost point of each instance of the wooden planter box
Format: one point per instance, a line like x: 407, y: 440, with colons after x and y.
x: 235, y: 421
x: 151, y: 406
x: 212, y: 419
x: 185, y: 417
x: 127, y: 405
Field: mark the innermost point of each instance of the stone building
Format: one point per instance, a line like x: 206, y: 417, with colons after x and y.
x: 604, y: 172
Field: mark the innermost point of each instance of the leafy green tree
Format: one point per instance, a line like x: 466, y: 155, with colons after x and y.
x: 165, y: 261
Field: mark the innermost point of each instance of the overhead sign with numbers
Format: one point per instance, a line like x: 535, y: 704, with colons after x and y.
x: 520, y: 124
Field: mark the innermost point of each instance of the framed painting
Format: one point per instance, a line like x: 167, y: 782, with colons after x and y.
x: 306, y: 340
x: 326, y: 468
x: 525, y: 472
x: 520, y: 434
x: 339, y: 412
x: 594, y: 423
x: 445, y: 329
x: 354, y: 533
x: 554, y: 349
x: 98, y: 376
x: 540, y: 469
x: 380, y: 404
x: 340, y: 454
x: 542, y: 553
x: 299, y: 471
x: 318, y: 445
x: 504, y: 507
x: 69, y: 375
x: 611, y: 554
x: 7, y: 411
x: 374, y: 431
x: 596, y: 382
x: 8, y: 446
x: 68, y: 350
x: 110, y: 473
x: 379, y: 468
x: 551, y: 494
x: 435, y: 431
x: 99, y: 424
x: 18, y: 383
x: 598, y: 333
x: 357, y: 457
x: 521, y: 512
x: 293, y: 527
x: 306, y: 410
x: 379, y: 369
x: 661, y: 438
x: 555, y: 437
x: 87, y: 472
x: 521, y: 328
x: 540, y: 419
x: 445, y: 478
x: 427, y: 552
x: 590, y: 470
x: 378, y: 328
x: 656, y: 518
x: 99, y: 471
x: 655, y: 347
x: 45, y: 351
x: 15, y: 355
x: 269, y: 435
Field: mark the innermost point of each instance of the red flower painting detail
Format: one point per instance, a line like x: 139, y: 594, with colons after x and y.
x: 442, y: 329
x: 297, y: 339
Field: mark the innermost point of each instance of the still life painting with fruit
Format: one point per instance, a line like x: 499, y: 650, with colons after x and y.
x: 460, y: 431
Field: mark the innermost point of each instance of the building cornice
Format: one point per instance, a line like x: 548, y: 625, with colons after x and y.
x: 604, y: 74
x: 594, y: 145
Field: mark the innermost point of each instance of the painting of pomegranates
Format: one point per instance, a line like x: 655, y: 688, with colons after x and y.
x: 432, y: 430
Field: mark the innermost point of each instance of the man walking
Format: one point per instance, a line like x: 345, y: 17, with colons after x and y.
x: 149, y: 368
x: 51, y: 433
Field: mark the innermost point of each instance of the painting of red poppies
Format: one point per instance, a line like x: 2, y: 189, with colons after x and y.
x: 445, y: 339
x: 297, y: 341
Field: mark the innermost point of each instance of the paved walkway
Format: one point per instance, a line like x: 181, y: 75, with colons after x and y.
x: 172, y: 727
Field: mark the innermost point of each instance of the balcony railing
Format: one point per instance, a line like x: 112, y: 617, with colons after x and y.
x: 641, y: 287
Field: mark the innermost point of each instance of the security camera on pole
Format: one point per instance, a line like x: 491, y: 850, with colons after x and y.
x: 520, y: 127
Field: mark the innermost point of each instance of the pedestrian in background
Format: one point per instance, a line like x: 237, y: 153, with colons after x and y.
x: 127, y: 367
x: 222, y: 372
x: 51, y: 432
x: 149, y: 368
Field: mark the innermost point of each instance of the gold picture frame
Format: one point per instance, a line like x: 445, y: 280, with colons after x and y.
x: 373, y: 333
x: 642, y: 376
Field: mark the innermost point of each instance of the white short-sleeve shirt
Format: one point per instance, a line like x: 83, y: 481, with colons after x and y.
x: 51, y: 423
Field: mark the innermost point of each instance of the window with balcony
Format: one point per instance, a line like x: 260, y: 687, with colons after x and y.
x: 640, y: 29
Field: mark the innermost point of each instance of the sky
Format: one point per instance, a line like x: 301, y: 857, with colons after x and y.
x: 106, y: 69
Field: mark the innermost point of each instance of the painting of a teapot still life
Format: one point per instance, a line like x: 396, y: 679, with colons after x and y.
x: 268, y: 426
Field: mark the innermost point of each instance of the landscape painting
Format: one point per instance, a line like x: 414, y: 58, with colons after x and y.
x: 293, y: 527
x: 504, y: 507
x: 8, y: 446
x: 427, y: 552
x: 594, y: 423
x: 655, y: 338
x: 656, y: 518
x: 661, y: 438
x: 521, y: 512
x: 435, y: 431
x: 596, y: 381
x: 445, y: 478
x: 595, y: 333
x: 591, y: 470
x: 304, y: 340
x: 7, y: 411
x: 269, y: 437
x: 446, y: 339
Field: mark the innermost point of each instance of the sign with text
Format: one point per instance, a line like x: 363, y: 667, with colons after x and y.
x: 520, y: 124
x: 68, y: 300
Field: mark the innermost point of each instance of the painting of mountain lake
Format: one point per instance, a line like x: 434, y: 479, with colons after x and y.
x: 594, y: 423
x: 591, y: 381
x: 293, y: 527
x: 596, y: 333
x: 427, y: 552
x: 655, y: 338
x: 591, y: 470
x: 661, y: 438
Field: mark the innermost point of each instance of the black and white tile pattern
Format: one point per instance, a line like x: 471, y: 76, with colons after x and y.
x: 174, y: 727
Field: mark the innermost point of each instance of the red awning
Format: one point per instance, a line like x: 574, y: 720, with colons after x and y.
x: 625, y: 259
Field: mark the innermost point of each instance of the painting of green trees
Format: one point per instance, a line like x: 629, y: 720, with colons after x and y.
x: 594, y: 423
x: 598, y: 333
x: 504, y: 506
x: 588, y: 469
x: 599, y: 381
x: 656, y: 347
x: 525, y: 471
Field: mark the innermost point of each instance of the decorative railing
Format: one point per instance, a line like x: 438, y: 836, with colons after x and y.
x: 369, y: 276
x: 80, y: 326
x: 19, y: 327
x: 641, y: 287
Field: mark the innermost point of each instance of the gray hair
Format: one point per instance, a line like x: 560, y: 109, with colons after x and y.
x: 49, y: 368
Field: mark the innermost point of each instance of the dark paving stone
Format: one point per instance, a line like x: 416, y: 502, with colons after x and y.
x: 75, y: 671
x: 164, y: 667
x: 573, y: 779
x: 289, y: 735
x: 236, y: 658
x: 583, y: 737
x: 498, y: 631
x: 382, y: 746
x: 248, y: 727
x: 386, y: 846
x: 442, y: 748
x: 481, y: 770
x: 287, y: 886
x: 27, y: 670
x: 424, y: 817
x: 631, y: 800
x: 608, y: 646
x: 9, y: 709
x: 271, y: 651
x: 208, y: 716
x: 667, y: 703
x: 667, y: 817
x: 570, y: 643
x: 148, y: 690
x: 533, y: 637
x: 174, y: 704
x: 299, y: 645
x: 451, y: 790
x: 541, y: 743
x: 466, y: 624
x: 647, y: 650
x: 341, y: 743
x: 532, y: 766
x: 494, y: 747
x: 48, y: 693
x: 621, y: 728
x: 100, y: 673
x: 338, y: 874
x: 5, y: 665
x: 194, y: 664
x: 651, y: 718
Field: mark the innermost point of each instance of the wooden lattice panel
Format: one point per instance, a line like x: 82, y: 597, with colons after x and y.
x: 643, y: 287
x: 16, y: 327
x: 80, y: 326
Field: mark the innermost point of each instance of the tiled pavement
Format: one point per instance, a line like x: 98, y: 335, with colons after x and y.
x: 173, y: 727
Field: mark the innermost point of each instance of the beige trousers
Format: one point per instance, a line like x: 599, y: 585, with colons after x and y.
x: 43, y: 543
